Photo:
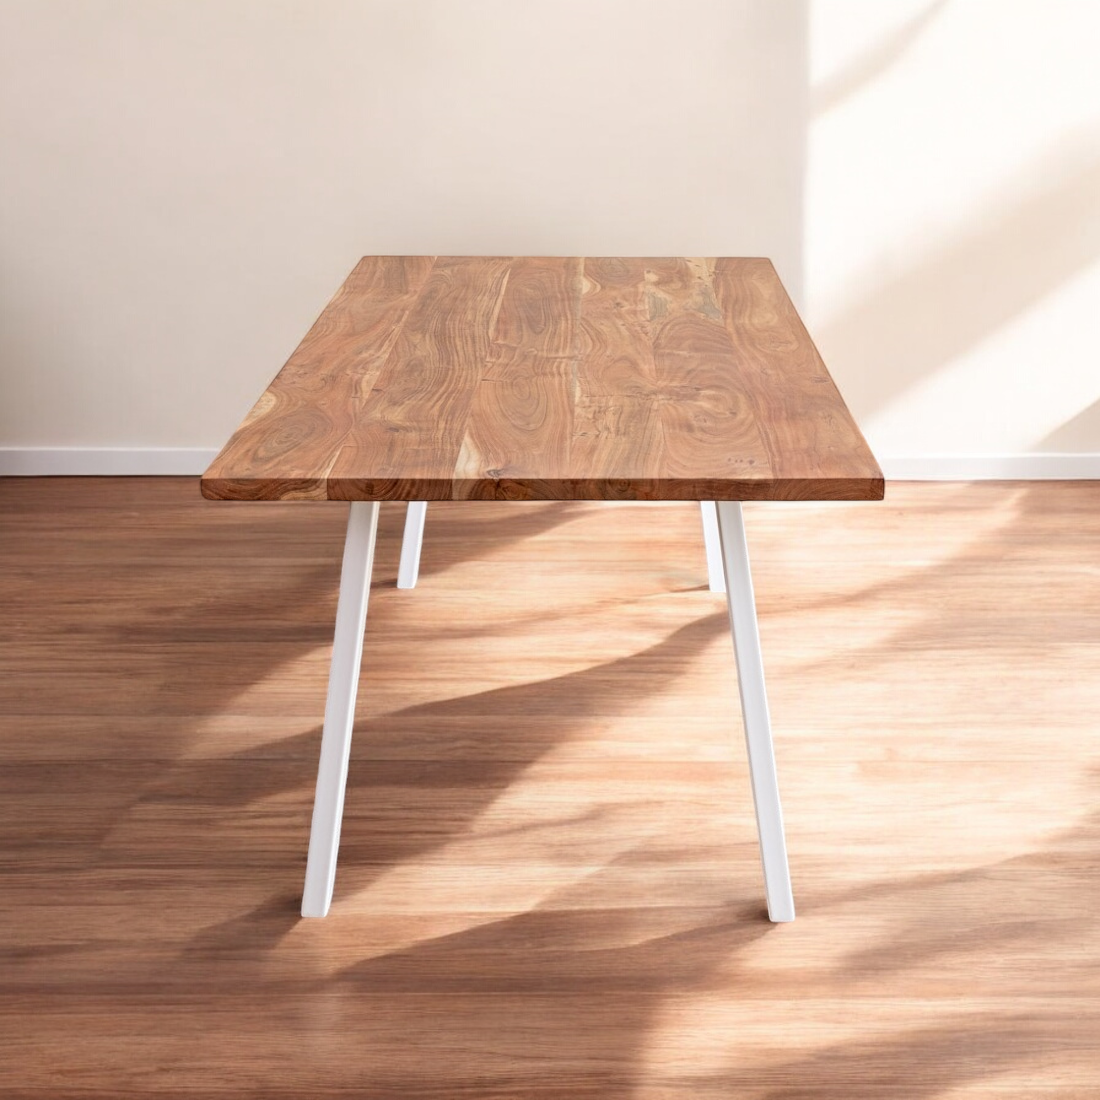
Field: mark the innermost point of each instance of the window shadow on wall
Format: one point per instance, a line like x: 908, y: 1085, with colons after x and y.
x: 1079, y: 433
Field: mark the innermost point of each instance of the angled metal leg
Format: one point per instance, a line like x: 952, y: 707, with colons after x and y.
x: 754, y: 708
x: 343, y: 680
x: 713, y: 544
x: 409, y: 568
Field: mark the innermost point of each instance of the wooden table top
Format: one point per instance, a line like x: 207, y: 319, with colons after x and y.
x: 548, y: 378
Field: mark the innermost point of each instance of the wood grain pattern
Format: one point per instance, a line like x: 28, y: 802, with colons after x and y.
x: 521, y: 420
x: 618, y: 438
x: 549, y: 884
x: 552, y: 378
x: 299, y: 424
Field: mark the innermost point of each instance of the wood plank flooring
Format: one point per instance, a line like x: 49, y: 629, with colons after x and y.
x: 549, y: 883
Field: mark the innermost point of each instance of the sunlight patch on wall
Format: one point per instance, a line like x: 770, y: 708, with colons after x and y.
x: 953, y: 216
x: 1019, y: 385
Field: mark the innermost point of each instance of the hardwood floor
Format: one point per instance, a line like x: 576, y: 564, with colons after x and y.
x: 549, y: 883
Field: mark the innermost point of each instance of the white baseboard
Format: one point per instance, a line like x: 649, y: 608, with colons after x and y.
x: 104, y: 461
x: 991, y: 467
x: 191, y: 461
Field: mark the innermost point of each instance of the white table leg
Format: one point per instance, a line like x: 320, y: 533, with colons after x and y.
x: 347, y: 650
x: 713, y: 544
x: 754, y: 709
x: 409, y: 568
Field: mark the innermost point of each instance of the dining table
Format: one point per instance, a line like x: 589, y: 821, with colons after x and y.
x: 539, y: 378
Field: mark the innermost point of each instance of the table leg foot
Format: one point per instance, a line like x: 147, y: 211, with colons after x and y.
x: 347, y: 650
x: 754, y: 709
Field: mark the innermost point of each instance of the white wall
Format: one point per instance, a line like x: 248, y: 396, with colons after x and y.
x: 953, y: 220
x: 183, y: 183
x: 188, y: 181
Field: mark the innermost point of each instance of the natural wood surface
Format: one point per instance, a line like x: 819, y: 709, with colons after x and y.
x: 550, y: 884
x: 551, y: 378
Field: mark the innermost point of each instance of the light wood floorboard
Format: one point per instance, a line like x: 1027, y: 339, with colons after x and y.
x: 549, y: 883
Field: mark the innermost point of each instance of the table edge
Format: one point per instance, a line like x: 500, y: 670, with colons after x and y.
x: 870, y: 487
